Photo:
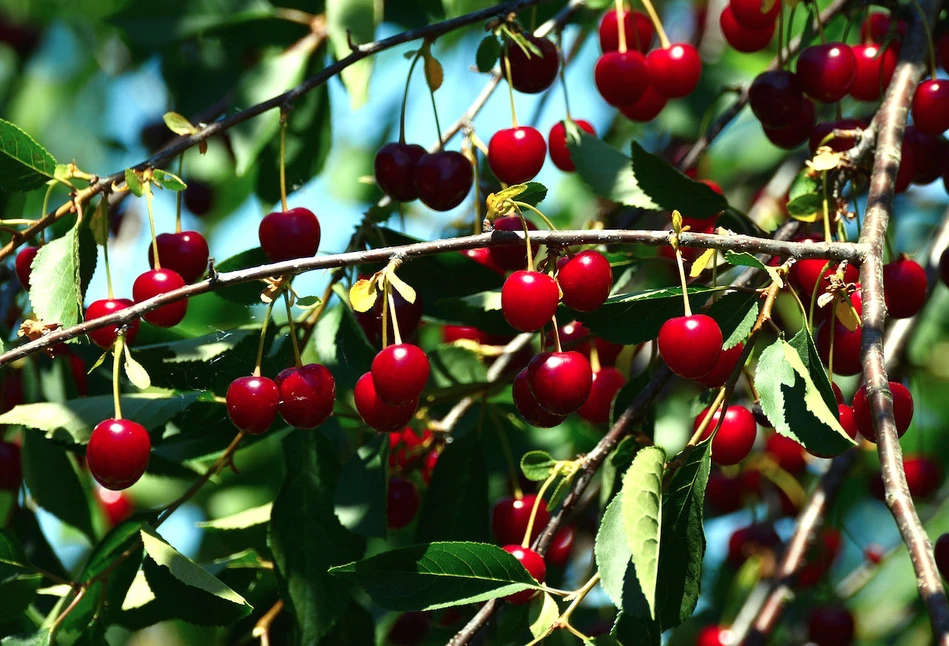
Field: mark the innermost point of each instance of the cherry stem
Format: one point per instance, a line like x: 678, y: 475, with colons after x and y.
x: 820, y: 279
x: 828, y: 237
x: 820, y: 25
x: 535, y: 210
x: 654, y: 17
x: 510, y: 84
x: 117, y: 348
x: 395, y: 319
x: 557, y: 345
x: 620, y: 27
x: 104, y: 207
x: 530, y: 253
x: 477, y: 186
x: 385, y: 318
x: 832, y: 322
x: 594, y: 356
x: 580, y: 595
x: 179, y: 196
x: 561, y: 73
x: 283, y: 160
x: 526, y: 542
x: 293, y: 333
x: 49, y: 192
x: 685, y: 284
x: 929, y: 37
x: 405, y: 97
x: 151, y: 223
x: 438, y: 127
x: 263, y: 336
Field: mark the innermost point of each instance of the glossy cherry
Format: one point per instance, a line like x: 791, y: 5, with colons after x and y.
x: 846, y: 347
x: 775, y: 98
x: 750, y: 13
x: 751, y: 540
x: 811, y: 273
x: 847, y: 420
x: 741, y: 38
x: 874, y: 70
x: 585, y: 280
x: 931, y: 106
x: 402, y: 502
x: 733, y: 441
x: 11, y: 470
x: 560, y: 381
x: 674, y: 71
x: 558, y: 552
x: 621, y: 77
x: 532, y: 73
x: 513, y: 256
x: 376, y: 413
x: 153, y: 283
x: 252, y: 403
x: 903, y: 408
x: 199, y: 197
x: 798, y: 132
x: 443, y: 179
x: 399, y: 373
x: 528, y: 406
x: 838, y: 144
x: 557, y: 144
x: 827, y: 71
x: 941, y: 552
x: 285, y: 235
x: 645, y: 108
x: 636, y: 25
x: 787, y: 453
x: 104, y: 337
x: 118, y: 452
x: 529, y: 300
x: 606, y: 383
x: 510, y: 516
x: 482, y: 256
x: 23, y: 265
x: 185, y: 252
x: 307, y: 395
x: 830, y: 626
x: 516, y: 155
x: 690, y: 345
x: 535, y: 566
x: 905, y: 286
x: 726, y: 362
x: 933, y: 151
x: 394, y: 167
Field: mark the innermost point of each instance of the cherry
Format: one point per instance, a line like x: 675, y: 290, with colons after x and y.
x: 902, y: 410
x: 23, y: 265
x: 116, y: 505
x: 715, y: 636
x: 909, y: 163
x: 557, y: 144
x: 874, y: 70
x: 787, y: 453
x: 741, y: 38
x: 675, y: 70
x: 482, y: 256
x: 376, y: 413
x: 734, y: 439
x: 399, y: 373
x: 452, y: 333
x: 690, y: 345
x: 513, y: 256
x: 409, y: 315
x: 410, y: 629
x: 637, y: 26
x: 154, y: 283
x: 932, y: 150
x: 585, y: 280
x: 923, y: 475
x: 394, y: 167
x: 307, y: 395
x: 941, y: 552
x: 606, y: 383
x: 510, y: 517
x: 529, y: 300
x: 876, y: 27
x: 827, y: 71
x: 838, y: 144
x: 750, y: 540
x: 286, y: 235
x: 751, y: 15
x: 931, y: 107
x: 819, y: 558
x: 776, y: 98
x: 724, y: 493
x: 830, y: 626
x: 402, y: 502
x: 104, y: 337
x: 621, y: 77
x: 535, y: 566
x: 527, y: 405
x: 11, y: 471
x: 428, y: 465
x: 516, y: 155
x: 530, y: 73
x: 198, y: 197
x: 846, y: 347
x: 558, y: 552
x: 405, y: 446
x: 645, y: 108
x: 944, y: 267
x: 252, y: 403
x: 874, y: 553
x: 118, y: 452
x: 443, y: 179
x: 185, y: 252
x: 792, y: 136
x: 813, y: 272
x: 905, y: 286
x: 839, y: 396
x: 847, y: 420
x: 560, y: 381
x: 726, y: 362
x: 942, y: 50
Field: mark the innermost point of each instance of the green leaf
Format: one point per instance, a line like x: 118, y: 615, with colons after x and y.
x: 805, y: 197
x: 641, y: 499
x: 452, y: 365
x: 13, y: 559
x: 168, y: 180
x: 134, y: 183
x: 614, y: 465
x: 241, y: 520
x: 671, y: 189
x: 630, y: 630
x: 245, y: 293
x: 308, y: 302
x: 135, y: 372
x: 481, y: 310
x: 27, y: 529
x: 542, y: 614
x: 745, y: 259
x: 360, y: 498
x: 41, y: 637
x: 342, y: 346
x: 612, y: 552
x: 489, y: 51
x: 537, y: 465
x: 16, y: 595
x: 438, y: 575
x: 534, y: 195
x: 53, y: 483
x: 354, y: 20
x: 56, y: 283
x: 24, y: 164
x: 735, y: 314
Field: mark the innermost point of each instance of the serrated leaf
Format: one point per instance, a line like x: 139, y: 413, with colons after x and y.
x: 612, y: 552
x: 240, y: 520
x: 805, y: 198
x: 671, y: 189
x: 134, y: 183
x: 136, y: 372
x: 607, y: 171
x: 489, y: 51
x: 454, y: 365
x: 355, y: 20
x: 745, y: 259
x: 542, y: 614
x: 700, y: 263
x: 735, y: 314
x: 534, y: 193
x: 537, y: 465
x: 99, y: 222
x: 55, y: 282
x: 362, y: 295
x: 12, y: 557
x: 17, y: 593
x: 24, y: 164
x: 53, y: 483
x: 404, y: 289
x: 741, y: 331
x: 168, y: 180
x: 641, y: 499
x: 178, y: 124
x: 360, y: 499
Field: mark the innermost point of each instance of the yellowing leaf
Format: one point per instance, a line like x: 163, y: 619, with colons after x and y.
x: 825, y: 160
x: 178, y: 124
x: 136, y: 372
x: 701, y: 263
x: 362, y: 295
x: 847, y: 315
x: 434, y: 75
x: 406, y: 290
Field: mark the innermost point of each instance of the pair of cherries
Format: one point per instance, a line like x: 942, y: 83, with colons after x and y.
x: 747, y: 26
x: 553, y: 385
x: 303, y: 396
x: 406, y: 172
x: 387, y: 396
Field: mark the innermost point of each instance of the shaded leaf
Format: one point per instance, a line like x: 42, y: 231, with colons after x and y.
x: 452, y: 365
x: 354, y: 20
x: 52, y: 480
x: 342, y: 346
x: 537, y: 465
x: 361, y: 490
x: 542, y: 614
x: 489, y: 51
x: 241, y: 520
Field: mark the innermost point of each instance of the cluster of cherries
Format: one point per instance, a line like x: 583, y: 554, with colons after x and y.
x: 408, y: 453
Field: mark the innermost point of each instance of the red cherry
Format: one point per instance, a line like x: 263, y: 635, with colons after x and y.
x: 734, y: 439
x: 558, y: 552
x: 726, y: 362
x: 830, y: 626
x: 902, y: 410
x: 787, y: 453
x: 198, y: 197
x: 560, y: 381
x: 621, y: 77
x: 452, y: 333
x: 443, y: 179
x: 482, y: 256
x: 908, y: 167
x: 307, y: 395
x: 724, y: 494
x: 741, y: 38
x: 23, y: 265
x: 838, y: 144
x: 394, y: 167
x: 750, y: 540
x: 409, y: 315
x: 942, y: 51
x: 104, y: 337
x: 535, y: 566
x: 11, y: 471
x: 530, y: 73
x: 115, y: 504
x: 514, y: 256
x: 905, y: 286
x: 799, y: 131
x: 402, y: 503
x: 941, y: 552
x: 118, y: 452
x: 607, y: 351
x: 510, y: 517
x: 585, y: 280
x: 185, y: 252
x: 846, y: 347
x: 751, y: 15
x: 874, y: 553
x: 690, y: 345
x: 557, y: 144
x: 405, y: 447
x: 399, y: 373
x: 931, y: 106
x: 847, y: 420
x: 286, y: 235
x: 839, y: 396
x: 428, y: 465
x: 606, y: 383
x: 809, y: 274
x: 637, y: 26
x: 944, y: 267
x: 645, y: 108
x: 776, y: 97
x: 376, y: 413
x: 874, y: 70
x: 923, y: 475
x: 252, y: 403
x: 529, y: 300
x: 827, y: 71
x: 876, y: 27
x: 410, y: 629
x: 715, y: 636
x: 154, y: 283
x: 932, y: 150
x: 516, y: 155
x: 675, y: 70
x: 819, y: 558
x: 527, y: 405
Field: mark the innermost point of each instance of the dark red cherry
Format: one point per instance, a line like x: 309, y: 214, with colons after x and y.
x: 941, y: 552
x: 286, y: 235
x: 118, y: 452
x: 734, y: 439
x: 931, y: 106
x: 715, y: 636
x: 933, y: 152
x: 443, y: 179
x: 902, y: 410
x: 399, y: 373
x: 394, y: 167
x: 839, y: 396
x: 674, y: 71
x: 741, y: 38
x: 751, y: 540
x: 307, y: 395
x: 199, y: 197
x: 819, y: 558
x: 557, y: 144
x: 410, y: 629
x: 11, y: 470
x: 527, y: 405
x: 402, y: 503
x: 529, y: 300
x: 645, y: 108
x: 510, y: 516
x: 830, y: 626
x: 452, y: 333
x: 690, y: 345
x: 905, y: 286
x: 116, y: 505
x: 532, y: 73
x: 427, y: 467
x: 23, y: 265
x: 558, y: 552
x: 104, y: 337
x: 252, y: 403
x: 185, y: 252
x: 874, y: 70
x: 535, y: 566
x: 405, y: 447
x: 876, y: 27
x: 798, y: 132
x: 726, y: 362
x: 585, y: 280
x: 376, y: 413
x: 944, y: 267
x: 154, y: 283
x: 787, y: 453
x: 621, y: 77
x: 513, y: 256
x: 813, y: 273
x: 847, y: 420
x: 606, y: 383
x: 751, y: 14
x: 776, y: 98
x: 942, y: 50
x: 560, y: 381
x: 516, y: 155
x: 827, y: 71
x: 724, y: 494
x: 636, y: 25
x: 846, y: 347
x: 838, y: 144
x: 924, y: 475
x: 409, y: 316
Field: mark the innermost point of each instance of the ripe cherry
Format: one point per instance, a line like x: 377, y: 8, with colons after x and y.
x: 636, y: 25
x: 606, y: 383
x: 482, y: 256
x: 199, y: 197
x: 285, y: 235
x: 787, y: 453
x: 775, y: 98
x: 809, y: 274
x: 394, y: 167
x: 795, y: 134
x: 104, y: 337
x: 585, y: 280
x: 118, y: 452
x: 751, y: 540
x: 830, y: 626
x: 558, y: 552
x: 428, y: 465
x: 734, y: 439
x: 405, y: 447
x: 252, y: 403
x: 514, y: 256
x: 715, y: 636
x: 645, y: 108
x: 535, y: 566
x: 690, y: 345
x: 923, y: 475
x: 839, y: 396
x: 409, y: 316
x: 410, y: 629
x: 23, y: 265
x: 116, y: 505
x: 932, y: 150
x: 750, y: 13
x: 675, y: 70
x: 838, y: 144
x: 931, y: 106
x: 399, y: 373
x: 905, y: 286
x: 154, y: 283
x: 11, y: 470
x: 560, y: 381
x: 510, y: 517
x: 874, y: 70
x: 516, y: 155
x: 902, y: 410
x: 529, y: 300
x: 402, y: 502
x: 532, y: 73
x: 726, y: 362
x: 621, y: 77
x: 876, y: 27
x: 846, y: 347
x: 185, y: 252
x: 827, y: 71
x: 941, y: 551
x: 724, y: 493
x: 443, y: 179
x: 847, y: 420
x: 376, y: 413
x: 307, y: 395
x: 557, y: 144
x: 528, y: 406
x: 741, y: 38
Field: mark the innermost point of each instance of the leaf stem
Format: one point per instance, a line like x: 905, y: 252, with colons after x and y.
x: 526, y: 542
x: 828, y: 237
x: 531, y: 207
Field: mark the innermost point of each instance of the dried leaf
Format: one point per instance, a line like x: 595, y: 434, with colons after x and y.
x: 33, y: 329
x: 825, y: 160
x: 362, y: 295
x: 434, y: 75
x: 847, y: 315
